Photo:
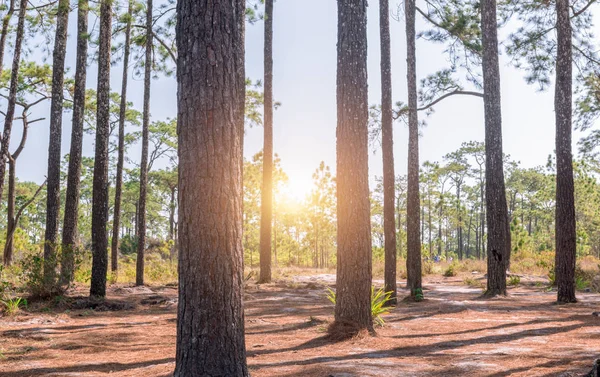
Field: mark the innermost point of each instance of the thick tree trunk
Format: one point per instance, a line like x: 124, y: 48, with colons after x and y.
x: 54, y: 144
x: 498, y: 242
x: 413, y: 258
x: 387, y: 150
x: 211, y: 80
x: 141, y: 246
x: 353, y: 281
x: 566, y: 242
x: 266, y: 201
x: 114, y: 249
x: 100, y: 183
x: 71, y: 216
x: 12, y: 93
x: 5, y: 23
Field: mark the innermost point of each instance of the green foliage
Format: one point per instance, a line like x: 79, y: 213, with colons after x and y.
x: 451, y: 270
x: 379, y: 301
x: 417, y: 294
x: 514, y: 280
x: 12, y: 306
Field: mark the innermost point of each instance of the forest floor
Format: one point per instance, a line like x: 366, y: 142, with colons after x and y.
x: 454, y: 332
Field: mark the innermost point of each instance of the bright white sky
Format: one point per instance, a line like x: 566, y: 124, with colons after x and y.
x: 304, y: 82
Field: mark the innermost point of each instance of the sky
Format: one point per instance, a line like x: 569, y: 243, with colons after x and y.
x: 304, y: 82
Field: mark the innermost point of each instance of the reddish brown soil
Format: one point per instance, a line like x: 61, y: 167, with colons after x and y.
x: 452, y: 333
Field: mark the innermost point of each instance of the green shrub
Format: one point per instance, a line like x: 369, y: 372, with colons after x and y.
x: 514, y: 280
x: 451, y: 270
x: 379, y: 300
x: 13, y: 306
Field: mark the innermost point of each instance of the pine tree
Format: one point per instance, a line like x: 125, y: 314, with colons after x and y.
x: 210, y: 75
x: 353, y: 280
x: 266, y: 203
x: 101, y: 160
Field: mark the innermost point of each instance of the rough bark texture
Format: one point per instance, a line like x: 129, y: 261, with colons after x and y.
x: 12, y: 93
x: 5, y: 23
x: 114, y: 250
x: 413, y: 258
x: 100, y: 184
x: 387, y: 149
x: 498, y: 241
x: 211, y: 90
x: 54, y: 144
x: 141, y: 246
x: 266, y: 200
x: 69, y: 235
x: 353, y: 282
x: 566, y: 242
x: 12, y: 177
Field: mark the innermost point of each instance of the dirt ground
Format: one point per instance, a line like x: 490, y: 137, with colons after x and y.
x: 452, y: 333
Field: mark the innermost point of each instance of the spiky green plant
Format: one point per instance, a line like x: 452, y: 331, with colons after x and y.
x: 13, y: 305
x: 379, y: 299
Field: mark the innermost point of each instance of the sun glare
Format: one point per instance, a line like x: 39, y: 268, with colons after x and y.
x: 296, y: 189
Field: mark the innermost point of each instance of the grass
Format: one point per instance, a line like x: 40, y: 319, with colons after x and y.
x: 12, y: 306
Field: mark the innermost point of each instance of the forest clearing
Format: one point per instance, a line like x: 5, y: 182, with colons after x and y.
x: 454, y: 332
x: 317, y: 188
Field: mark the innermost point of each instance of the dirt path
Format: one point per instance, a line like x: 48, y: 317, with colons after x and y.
x: 452, y: 333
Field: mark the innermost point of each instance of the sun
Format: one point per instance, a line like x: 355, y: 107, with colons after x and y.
x: 296, y: 189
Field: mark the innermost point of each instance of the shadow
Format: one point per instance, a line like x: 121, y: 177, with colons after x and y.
x: 106, y: 367
x: 430, y: 349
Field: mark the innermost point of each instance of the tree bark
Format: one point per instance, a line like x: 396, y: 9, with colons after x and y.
x: 413, y: 258
x: 11, y: 223
x: 566, y: 242
x: 12, y: 94
x: 387, y: 150
x: 498, y: 241
x: 141, y: 246
x: 353, y: 281
x: 5, y: 23
x: 100, y: 182
x: 69, y: 235
x: 211, y: 81
x: 266, y: 201
x: 114, y: 252
x: 54, y: 143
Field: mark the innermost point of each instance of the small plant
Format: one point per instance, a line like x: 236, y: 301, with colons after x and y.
x: 581, y: 283
x: 450, y: 271
x: 552, y: 276
x: 471, y: 282
x: 417, y: 294
x: 514, y: 280
x: 13, y: 306
x: 379, y: 299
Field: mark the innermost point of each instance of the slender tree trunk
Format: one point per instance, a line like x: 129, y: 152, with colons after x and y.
x: 566, y: 242
x: 459, y: 239
x: 172, y: 206
x: 71, y: 216
x: 413, y: 259
x: 141, y: 246
x: 5, y: 23
x: 114, y: 254
x: 211, y: 79
x: 100, y: 183
x: 54, y: 144
x: 10, y: 211
x: 353, y: 281
x: 11, y: 223
x: 266, y: 201
x: 429, y: 223
x: 12, y: 93
x: 387, y: 149
x: 497, y: 214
